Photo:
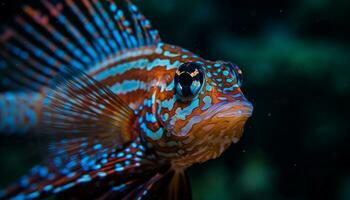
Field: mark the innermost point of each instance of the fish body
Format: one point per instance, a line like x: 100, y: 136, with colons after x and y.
x: 127, y: 112
x: 165, y: 121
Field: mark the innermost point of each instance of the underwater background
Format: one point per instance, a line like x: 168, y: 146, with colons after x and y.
x: 295, y: 56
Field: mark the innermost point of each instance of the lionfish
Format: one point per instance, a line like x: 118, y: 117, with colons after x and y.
x: 126, y: 113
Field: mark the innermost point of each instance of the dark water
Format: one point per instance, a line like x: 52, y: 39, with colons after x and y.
x: 295, y: 59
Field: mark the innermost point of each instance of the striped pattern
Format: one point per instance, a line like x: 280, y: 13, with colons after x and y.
x: 108, y: 168
x: 42, y: 43
x: 101, y: 80
x: 193, y: 125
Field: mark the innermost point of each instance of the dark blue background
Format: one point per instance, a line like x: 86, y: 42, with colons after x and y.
x: 295, y: 59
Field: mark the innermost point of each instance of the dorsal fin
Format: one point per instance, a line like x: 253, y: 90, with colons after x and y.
x: 68, y: 33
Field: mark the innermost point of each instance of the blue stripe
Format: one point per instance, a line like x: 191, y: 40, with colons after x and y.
x: 183, y: 113
x: 81, y: 39
x: 137, y: 64
x: 110, y: 25
x: 101, y: 25
x: 84, y: 178
x: 121, y: 69
x: 153, y: 135
x: 89, y: 27
x: 169, y: 104
x: 23, y: 55
x: 128, y: 86
x: 33, y: 195
x: 59, y: 52
x: 207, y: 102
x: 150, y: 117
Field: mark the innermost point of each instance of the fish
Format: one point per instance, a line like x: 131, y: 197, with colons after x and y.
x: 125, y: 113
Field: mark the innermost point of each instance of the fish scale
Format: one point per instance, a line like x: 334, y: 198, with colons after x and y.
x: 122, y: 120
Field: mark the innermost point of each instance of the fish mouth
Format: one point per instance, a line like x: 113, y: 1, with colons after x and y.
x: 239, y: 108
x: 221, y: 116
x: 214, y: 130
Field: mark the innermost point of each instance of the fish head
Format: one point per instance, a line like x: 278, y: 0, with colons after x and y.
x: 202, y: 109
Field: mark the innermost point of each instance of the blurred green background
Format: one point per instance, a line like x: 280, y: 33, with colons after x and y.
x: 295, y: 59
x: 295, y: 56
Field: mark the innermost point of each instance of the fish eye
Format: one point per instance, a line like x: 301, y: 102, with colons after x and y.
x: 237, y: 72
x: 188, y: 80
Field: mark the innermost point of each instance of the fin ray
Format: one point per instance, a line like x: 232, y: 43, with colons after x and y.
x: 82, y: 107
x: 172, y: 185
x: 69, y: 33
x: 106, y: 172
